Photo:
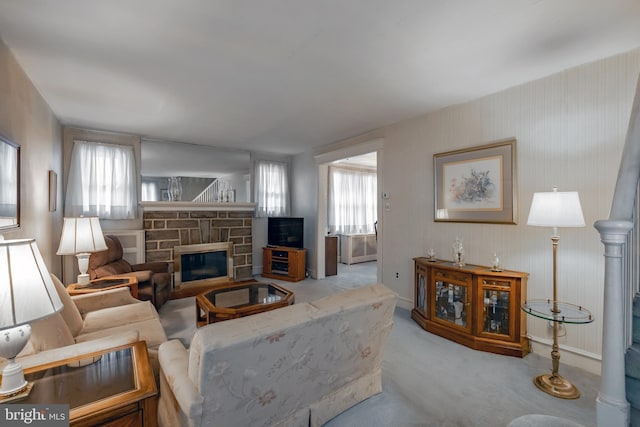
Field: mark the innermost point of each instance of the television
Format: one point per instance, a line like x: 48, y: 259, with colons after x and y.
x: 285, y: 231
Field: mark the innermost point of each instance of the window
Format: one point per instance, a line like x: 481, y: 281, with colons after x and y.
x: 271, y: 189
x: 150, y: 191
x: 352, y: 203
x: 102, y: 181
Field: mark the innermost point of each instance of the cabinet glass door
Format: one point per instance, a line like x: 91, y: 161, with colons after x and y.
x: 452, y: 303
x: 497, y: 303
x: 421, y: 291
x: 496, y: 312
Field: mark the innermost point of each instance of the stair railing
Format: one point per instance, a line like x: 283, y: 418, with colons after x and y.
x: 209, y: 194
x: 619, y: 234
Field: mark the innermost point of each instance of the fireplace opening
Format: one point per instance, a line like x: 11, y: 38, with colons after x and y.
x: 206, y: 263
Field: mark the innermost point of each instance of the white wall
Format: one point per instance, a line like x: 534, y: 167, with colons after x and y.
x: 304, y: 195
x: 570, y: 129
x: 26, y: 119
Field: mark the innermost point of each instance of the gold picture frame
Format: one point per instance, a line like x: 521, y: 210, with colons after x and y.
x: 477, y: 184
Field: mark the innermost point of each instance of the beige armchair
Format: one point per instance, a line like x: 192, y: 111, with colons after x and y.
x: 103, y: 316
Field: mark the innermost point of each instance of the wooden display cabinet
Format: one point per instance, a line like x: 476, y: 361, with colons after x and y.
x: 280, y: 262
x: 472, y: 305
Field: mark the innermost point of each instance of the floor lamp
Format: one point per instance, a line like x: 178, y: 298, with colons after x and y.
x: 27, y: 293
x: 555, y: 209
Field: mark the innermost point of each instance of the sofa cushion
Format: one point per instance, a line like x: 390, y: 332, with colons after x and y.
x: 149, y: 330
x: 69, y: 312
x: 118, y: 316
x: 50, y: 332
x: 114, y: 268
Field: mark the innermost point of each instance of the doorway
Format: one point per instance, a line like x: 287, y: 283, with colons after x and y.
x: 354, y: 153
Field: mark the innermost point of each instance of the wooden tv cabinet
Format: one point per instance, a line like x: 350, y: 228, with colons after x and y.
x: 472, y: 305
x: 283, y: 263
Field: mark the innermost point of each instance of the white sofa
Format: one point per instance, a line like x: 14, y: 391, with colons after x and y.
x: 296, y: 366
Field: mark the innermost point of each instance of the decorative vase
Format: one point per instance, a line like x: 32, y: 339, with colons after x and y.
x: 495, y: 263
x: 458, y: 252
x: 175, y: 189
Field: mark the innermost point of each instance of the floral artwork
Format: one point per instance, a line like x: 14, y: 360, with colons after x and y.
x: 476, y: 184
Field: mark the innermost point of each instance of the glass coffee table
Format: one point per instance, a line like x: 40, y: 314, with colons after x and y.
x: 234, y: 300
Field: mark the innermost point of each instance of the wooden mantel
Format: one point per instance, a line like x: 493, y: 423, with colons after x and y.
x: 193, y: 206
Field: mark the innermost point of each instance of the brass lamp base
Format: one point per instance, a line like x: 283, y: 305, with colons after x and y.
x: 556, y: 386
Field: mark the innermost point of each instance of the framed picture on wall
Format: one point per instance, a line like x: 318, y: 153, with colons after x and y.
x: 53, y: 191
x: 477, y: 184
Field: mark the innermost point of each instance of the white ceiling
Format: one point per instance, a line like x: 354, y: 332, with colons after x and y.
x: 289, y: 75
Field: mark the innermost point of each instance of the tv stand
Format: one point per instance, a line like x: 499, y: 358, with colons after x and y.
x: 283, y: 263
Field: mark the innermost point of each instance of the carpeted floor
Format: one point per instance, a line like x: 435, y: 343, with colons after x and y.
x: 428, y: 380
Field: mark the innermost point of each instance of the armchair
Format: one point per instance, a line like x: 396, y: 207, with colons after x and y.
x: 154, y: 278
x: 91, y: 322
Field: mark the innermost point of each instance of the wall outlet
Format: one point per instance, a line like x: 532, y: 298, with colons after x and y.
x: 397, y: 275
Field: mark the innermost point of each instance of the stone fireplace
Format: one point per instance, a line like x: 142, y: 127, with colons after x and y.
x: 171, y: 224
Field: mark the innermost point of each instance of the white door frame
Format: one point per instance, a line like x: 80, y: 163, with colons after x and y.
x: 323, y: 161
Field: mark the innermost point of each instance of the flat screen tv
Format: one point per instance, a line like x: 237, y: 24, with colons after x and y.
x: 285, y: 231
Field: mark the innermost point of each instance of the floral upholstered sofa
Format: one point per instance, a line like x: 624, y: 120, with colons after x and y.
x: 296, y: 366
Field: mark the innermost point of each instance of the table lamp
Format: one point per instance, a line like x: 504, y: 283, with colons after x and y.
x: 556, y: 209
x: 80, y: 237
x: 27, y: 293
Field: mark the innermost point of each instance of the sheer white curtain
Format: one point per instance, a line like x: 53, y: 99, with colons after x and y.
x: 271, y: 189
x: 150, y: 191
x: 352, y: 200
x: 8, y: 179
x: 102, y: 181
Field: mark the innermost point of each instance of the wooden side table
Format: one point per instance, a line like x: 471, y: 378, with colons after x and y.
x: 118, y: 389
x: 105, y: 283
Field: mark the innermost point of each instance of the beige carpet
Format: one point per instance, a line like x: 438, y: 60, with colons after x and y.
x: 428, y: 380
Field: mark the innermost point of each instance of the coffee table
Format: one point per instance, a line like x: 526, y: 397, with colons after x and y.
x: 105, y: 283
x: 233, y: 300
x: 117, y: 389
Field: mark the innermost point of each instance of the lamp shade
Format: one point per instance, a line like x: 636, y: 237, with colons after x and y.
x: 556, y: 209
x: 81, y: 235
x: 27, y: 292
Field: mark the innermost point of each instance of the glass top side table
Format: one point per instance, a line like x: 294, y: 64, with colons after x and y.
x: 557, y: 312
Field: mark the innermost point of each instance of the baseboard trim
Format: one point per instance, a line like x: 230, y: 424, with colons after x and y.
x: 579, y: 358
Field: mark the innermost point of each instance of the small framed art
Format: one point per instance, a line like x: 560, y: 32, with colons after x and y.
x: 53, y: 191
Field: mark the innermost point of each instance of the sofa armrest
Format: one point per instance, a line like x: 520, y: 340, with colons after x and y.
x: 87, y: 303
x: 156, y: 267
x: 174, y: 364
x: 74, y: 350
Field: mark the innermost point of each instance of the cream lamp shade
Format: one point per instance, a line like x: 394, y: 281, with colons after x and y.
x: 556, y: 209
x: 27, y: 293
x: 80, y: 237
